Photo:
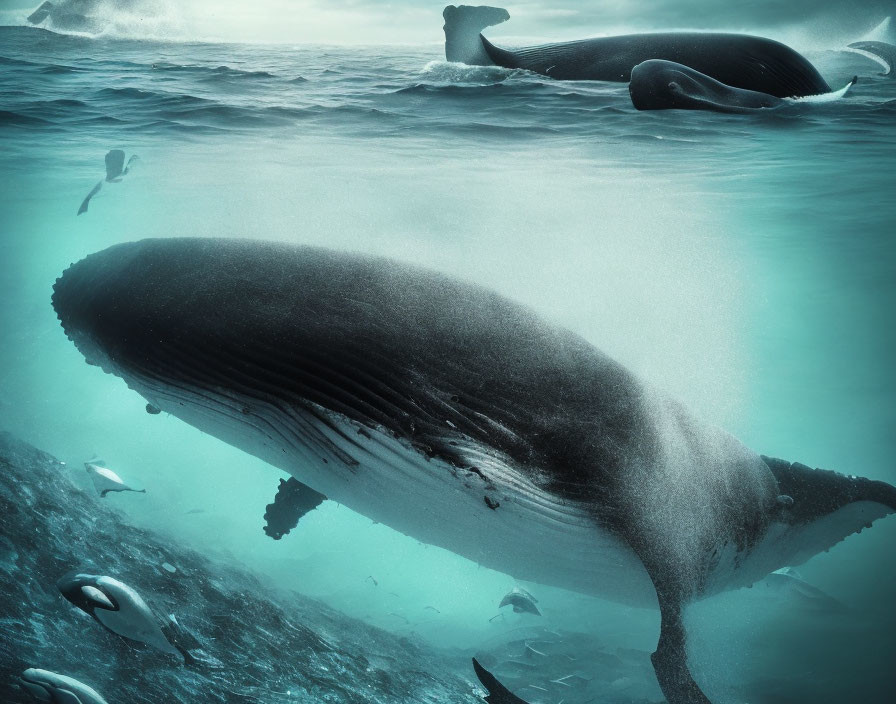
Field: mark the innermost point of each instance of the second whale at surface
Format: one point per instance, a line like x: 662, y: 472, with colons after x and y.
x: 738, y: 60
x: 666, y: 85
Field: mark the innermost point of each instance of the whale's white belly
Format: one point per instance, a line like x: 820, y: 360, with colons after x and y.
x: 531, y: 534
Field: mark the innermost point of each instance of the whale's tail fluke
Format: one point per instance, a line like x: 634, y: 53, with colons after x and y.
x: 463, y: 23
x: 41, y: 13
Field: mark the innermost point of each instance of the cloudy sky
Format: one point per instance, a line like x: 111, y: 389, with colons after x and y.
x: 419, y: 21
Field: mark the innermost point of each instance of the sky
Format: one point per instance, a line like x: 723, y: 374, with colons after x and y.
x: 420, y: 22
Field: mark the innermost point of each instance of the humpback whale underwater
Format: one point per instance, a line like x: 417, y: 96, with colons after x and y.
x: 459, y: 418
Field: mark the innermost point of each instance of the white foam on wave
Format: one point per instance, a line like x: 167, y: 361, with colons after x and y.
x: 161, y: 20
x: 831, y: 97
x: 874, y: 57
x: 442, y: 71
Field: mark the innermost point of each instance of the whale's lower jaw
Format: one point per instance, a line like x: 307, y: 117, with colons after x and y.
x: 529, y: 534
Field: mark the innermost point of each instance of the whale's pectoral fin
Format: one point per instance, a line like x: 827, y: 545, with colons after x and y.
x: 670, y: 658
x: 293, y: 500
x: 820, y: 507
x: 86, y: 201
x: 497, y: 692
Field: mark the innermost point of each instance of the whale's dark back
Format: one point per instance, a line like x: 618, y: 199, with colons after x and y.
x: 427, y: 357
x: 741, y: 61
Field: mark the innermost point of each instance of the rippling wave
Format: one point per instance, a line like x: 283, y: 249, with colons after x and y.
x: 75, y: 81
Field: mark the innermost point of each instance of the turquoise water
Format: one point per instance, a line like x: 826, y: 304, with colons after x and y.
x: 745, y: 264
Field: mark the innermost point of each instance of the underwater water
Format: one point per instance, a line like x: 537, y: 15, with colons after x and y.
x: 745, y: 264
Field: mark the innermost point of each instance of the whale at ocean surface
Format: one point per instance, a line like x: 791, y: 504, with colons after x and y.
x: 458, y: 417
x: 666, y: 85
x: 736, y: 60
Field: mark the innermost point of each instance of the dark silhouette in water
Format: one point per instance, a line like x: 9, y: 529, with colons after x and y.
x: 115, y: 171
x: 378, y: 383
x: 497, y: 692
x: 292, y: 501
x: 737, y: 60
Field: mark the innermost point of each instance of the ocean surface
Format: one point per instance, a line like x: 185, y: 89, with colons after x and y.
x: 746, y: 264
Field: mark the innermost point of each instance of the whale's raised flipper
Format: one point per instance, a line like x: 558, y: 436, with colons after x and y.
x: 883, y: 51
x: 497, y: 692
x: 41, y: 13
x: 293, y: 500
x: 463, y: 23
x: 86, y: 201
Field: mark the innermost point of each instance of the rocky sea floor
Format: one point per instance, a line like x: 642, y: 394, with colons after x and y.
x: 251, y: 642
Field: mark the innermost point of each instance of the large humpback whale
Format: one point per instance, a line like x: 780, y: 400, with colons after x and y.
x: 458, y: 417
x: 737, y: 60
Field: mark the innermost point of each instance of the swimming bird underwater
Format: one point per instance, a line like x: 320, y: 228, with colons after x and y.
x: 521, y: 601
x: 46, y: 686
x: 737, y: 60
x: 115, y: 170
x: 666, y: 85
x: 118, y: 608
x: 410, y: 396
x: 105, y: 480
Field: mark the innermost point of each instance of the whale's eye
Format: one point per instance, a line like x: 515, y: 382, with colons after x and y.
x: 673, y: 86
